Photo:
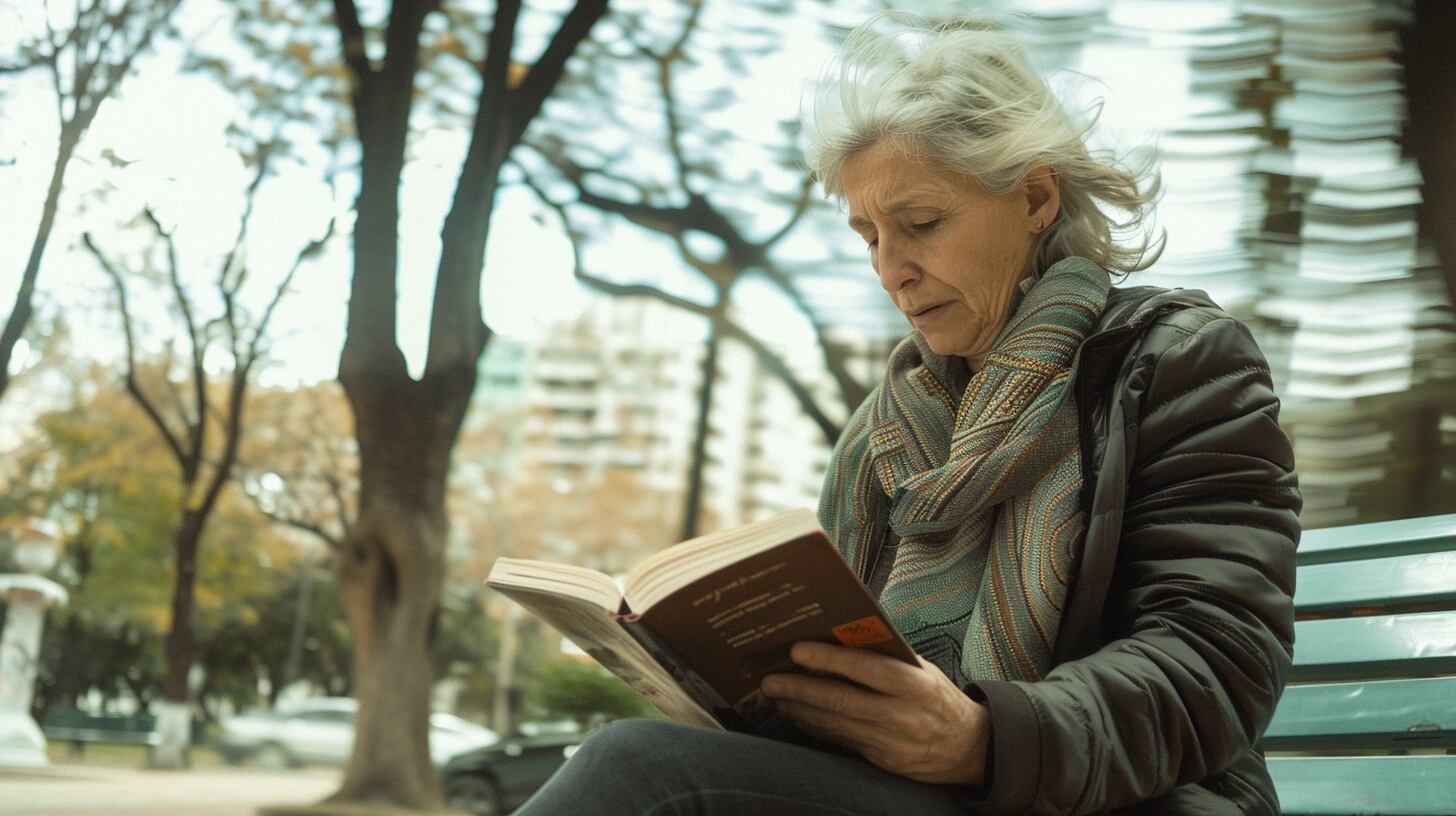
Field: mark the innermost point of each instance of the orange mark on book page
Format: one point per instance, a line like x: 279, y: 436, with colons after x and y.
x: 863, y: 632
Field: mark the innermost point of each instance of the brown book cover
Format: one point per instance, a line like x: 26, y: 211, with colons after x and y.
x: 712, y: 616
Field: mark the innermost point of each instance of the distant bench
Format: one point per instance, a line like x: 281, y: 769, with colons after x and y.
x: 1369, y: 724
x: 79, y: 728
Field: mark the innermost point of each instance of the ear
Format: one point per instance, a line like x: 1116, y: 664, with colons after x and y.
x: 1043, y: 191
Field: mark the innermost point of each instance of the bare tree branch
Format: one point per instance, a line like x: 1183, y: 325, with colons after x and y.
x: 311, y: 250
x: 700, y: 214
x: 174, y: 391
x: 132, y: 384
x: 547, y: 71
x: 801, y: 206
x: 196, y: 424
x: 494, y: 72
x: 227, y: 283
x: 646, y: 290
x: 22, y: 67
x: 351, y: 42
x: 766, y: 356
x: 334, y: 542
x: 88, y: 104
x: 665, y: 64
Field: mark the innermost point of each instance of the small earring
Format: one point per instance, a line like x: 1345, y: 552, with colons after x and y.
x: 1038, y: 226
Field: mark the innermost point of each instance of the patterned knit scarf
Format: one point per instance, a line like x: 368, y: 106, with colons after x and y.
x: 982, y: 492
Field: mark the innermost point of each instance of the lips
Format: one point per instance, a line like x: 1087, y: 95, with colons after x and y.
x: 926, y: 311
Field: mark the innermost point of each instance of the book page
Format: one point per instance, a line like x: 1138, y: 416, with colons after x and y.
x: 598, y: 633
x: 670, y: 570
x: 557, y: 579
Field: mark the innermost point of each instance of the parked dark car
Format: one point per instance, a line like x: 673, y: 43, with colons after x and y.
x: 498, y: 778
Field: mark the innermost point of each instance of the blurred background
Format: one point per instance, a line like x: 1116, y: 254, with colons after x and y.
x: 677, y: 323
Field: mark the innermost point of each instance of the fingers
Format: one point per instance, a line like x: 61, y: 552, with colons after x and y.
x: 870, y: 669
x: 826, y: 694
x: 909, y: 720
x: 849, y: 732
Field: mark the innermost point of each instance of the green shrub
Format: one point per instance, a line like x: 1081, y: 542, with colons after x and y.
x: 585, y: 692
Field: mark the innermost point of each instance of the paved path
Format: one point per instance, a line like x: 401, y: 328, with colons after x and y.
x: 95, y: 790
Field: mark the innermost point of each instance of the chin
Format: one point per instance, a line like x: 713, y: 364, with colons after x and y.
x: 944, y: 346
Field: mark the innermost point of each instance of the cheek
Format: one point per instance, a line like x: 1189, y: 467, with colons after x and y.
x: 986, y: 270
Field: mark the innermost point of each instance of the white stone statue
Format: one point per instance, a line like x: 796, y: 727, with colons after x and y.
x: 27, y: 595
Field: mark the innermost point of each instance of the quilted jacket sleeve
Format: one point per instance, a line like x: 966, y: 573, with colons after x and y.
x: 1198, y: 620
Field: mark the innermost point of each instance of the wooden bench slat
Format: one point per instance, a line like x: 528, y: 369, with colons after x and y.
x: 66, y: 734
x: 1388, y: 714
x: 1380, y: 539
x: 1408, y: 645
x: 1422, y: 579
x: 1341, y: 786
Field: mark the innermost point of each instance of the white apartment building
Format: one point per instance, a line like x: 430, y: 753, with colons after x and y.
x: 619, y: 388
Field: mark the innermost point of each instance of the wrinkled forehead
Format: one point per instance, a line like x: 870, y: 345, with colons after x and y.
x: 882, y: 181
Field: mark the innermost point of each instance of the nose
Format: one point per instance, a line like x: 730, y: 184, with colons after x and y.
x: 895, y: 265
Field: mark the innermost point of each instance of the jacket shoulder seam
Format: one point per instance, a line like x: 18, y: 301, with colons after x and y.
x: 1215, y: 316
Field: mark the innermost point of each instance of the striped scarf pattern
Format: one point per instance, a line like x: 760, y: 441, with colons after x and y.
x: 981, y: 488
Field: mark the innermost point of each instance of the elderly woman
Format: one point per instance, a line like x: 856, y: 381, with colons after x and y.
x: 1074, y: 500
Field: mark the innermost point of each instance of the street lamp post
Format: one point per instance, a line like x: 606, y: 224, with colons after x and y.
x: 27, y: 594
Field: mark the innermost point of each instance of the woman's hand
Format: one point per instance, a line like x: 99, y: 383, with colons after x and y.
x: 909, y: 720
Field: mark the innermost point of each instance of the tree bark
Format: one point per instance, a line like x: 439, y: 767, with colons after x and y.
x: 391, y: 570
x: 20, y: 313
x: 181, y: 644
x: 692, y: 509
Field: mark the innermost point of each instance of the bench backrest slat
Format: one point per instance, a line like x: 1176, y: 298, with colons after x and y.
x: 1386, y: 714
x: 1407, y: 785
x: 1410, y: 645
x: 1422, y: 580
x: 1377, y: 540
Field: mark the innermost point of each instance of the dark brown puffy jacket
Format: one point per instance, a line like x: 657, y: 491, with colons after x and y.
x: 1177, y: 639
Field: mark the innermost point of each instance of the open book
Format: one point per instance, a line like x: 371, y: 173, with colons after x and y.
x: 698, y: 625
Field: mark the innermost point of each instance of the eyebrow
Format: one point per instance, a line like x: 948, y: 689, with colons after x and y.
x: 858, y: 222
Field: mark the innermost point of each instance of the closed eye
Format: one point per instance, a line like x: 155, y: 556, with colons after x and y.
x: 926, y: 226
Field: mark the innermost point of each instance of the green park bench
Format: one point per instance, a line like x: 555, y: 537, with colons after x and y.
x: 1368, y: 725
x: 79, y: 728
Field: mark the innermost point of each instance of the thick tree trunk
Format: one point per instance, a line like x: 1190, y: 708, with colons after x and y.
x: 391, y: 570
x: 692, y: 509
x: 393, y: 560
x: 181, y: 648
x: 21, y: 311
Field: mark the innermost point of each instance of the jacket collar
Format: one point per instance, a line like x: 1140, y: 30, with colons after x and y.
x: 1135, y: 305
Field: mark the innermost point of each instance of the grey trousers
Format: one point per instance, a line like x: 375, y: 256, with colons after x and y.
x: 656, y: 768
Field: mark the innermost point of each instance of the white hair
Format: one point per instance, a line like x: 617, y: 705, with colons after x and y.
x: 965, y: 95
